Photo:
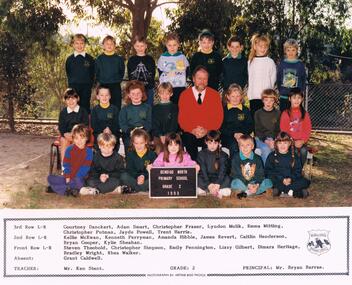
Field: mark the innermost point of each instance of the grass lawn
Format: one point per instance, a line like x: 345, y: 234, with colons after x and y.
x: 331, y: 187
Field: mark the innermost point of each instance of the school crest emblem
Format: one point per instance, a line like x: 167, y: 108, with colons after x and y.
x: 248, y: 171
x: 211, y: 61
x: 240, y: 117
x: 318, y: 242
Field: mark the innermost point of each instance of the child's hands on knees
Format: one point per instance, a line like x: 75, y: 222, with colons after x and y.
x: 104, y: 177
x: 140, y: 179
x: 252, y: 188
x: 287, y: 181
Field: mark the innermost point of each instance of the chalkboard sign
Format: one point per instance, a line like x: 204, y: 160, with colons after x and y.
x: 178, y: 182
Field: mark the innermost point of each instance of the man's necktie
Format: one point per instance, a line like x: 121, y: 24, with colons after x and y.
x: 199, y: 98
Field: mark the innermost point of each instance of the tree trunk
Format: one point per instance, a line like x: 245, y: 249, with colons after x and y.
x: 11, y: 108
x: 11, y: 115
x: 141, y: 17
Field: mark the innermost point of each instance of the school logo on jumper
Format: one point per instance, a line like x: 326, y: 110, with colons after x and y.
x: 240, y: 117
x: 248, y: 170
x: 211, y: 61
x: 318, y: 242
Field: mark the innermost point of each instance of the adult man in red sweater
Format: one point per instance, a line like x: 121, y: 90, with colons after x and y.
x: 200, y: 110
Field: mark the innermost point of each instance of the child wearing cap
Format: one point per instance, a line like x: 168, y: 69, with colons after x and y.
x: 70, y: 116
x: 267, y: 123
x: 208, y: 58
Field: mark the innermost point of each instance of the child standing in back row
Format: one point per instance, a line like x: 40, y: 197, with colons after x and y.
x: 80, y: 71
x: 173, y: 66
x: 110, y: 70
x: 234, y: 65
x: 208, y: 58
x: 142, y: 67
x: 261, y: 71
x: 291, y: 73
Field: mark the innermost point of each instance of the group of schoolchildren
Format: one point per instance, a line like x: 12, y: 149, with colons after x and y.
x: 280, y: 135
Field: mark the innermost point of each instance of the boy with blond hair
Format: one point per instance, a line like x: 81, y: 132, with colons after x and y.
x: 104, y: 176
x: 291, y: 73
x: 110, y: 70
x: 247, y: 170
x: 173, y: 66
x: 80, y: 70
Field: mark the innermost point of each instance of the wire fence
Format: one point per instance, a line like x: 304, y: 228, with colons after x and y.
x: 330, y: 106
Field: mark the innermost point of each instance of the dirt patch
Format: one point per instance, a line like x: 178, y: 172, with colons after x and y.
x: 24, y: 165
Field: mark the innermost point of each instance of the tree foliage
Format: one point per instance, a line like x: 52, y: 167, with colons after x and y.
x: 23, y: 23
x: 136, y: 13
x: 316, y: 24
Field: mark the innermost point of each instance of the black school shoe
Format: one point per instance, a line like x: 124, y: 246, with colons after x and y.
x: 276, y: 192
x: 301, y: 194
x: 241, y: 195
x: 49, y: 190
x: 71, y: 192
x: 125, y: 189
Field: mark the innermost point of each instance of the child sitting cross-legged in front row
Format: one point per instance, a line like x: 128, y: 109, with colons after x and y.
x: 105, y: 172
x: 213, y: 175
x: 137, y: 160
x: 76, y: 164
x: 284, y: 169
x: 173, y: 154
x: 247, y: 170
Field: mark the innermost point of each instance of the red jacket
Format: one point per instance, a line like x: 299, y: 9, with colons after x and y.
x: 208, y: 115
x: 297, y: 128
